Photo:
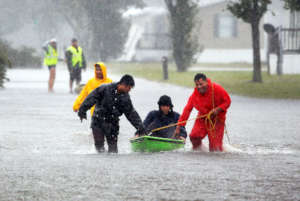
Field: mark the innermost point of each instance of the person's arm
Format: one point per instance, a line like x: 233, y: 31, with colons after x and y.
x: 182, y: 132
x: 133, y: 117
x: 221, y: 94
x: 148, y: 120
x: 46, y: 50
x: 45, y: 46
x: 95, y: 96
x: 184, y: 116
x: 68, y: 55
x: 83, y: 62
x: 186, y: 111
x: 83, y: 94
x: 226, y: 101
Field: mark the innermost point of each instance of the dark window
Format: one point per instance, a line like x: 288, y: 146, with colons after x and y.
x: 225, y: 26
x: 156, y: 35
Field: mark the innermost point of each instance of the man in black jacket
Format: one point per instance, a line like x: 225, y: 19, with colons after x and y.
x: 163, y: 117
x: 111, y: 100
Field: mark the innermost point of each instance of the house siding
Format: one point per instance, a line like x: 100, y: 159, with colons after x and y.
x: 207, y: 30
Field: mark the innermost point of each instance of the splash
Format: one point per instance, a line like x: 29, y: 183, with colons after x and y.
x: 229, y: 148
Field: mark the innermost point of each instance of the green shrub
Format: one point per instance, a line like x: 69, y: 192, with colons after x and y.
x: 4, y: 62
x: 22, y: 57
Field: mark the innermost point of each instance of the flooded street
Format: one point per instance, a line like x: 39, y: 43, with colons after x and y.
x: 47, y: 154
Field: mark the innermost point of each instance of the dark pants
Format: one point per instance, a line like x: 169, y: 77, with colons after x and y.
x: 49, y: 67
x: 75, y: 74
x: 99, y: 138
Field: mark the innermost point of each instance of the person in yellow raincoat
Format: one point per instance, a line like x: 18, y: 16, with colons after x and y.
x: 99, y: 79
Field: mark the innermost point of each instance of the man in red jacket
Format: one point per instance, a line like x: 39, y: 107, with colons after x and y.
x: 208, y: 98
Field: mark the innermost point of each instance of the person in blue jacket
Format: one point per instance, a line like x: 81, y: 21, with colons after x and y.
x: 163, y: 117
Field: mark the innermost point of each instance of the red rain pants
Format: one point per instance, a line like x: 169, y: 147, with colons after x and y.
x: 215, y: 136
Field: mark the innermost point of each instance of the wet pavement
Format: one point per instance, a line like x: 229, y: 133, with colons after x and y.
x: 47, y: 154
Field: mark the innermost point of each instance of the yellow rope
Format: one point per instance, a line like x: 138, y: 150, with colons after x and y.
x: 209, y: 122
x: 206, y: 116
x: 178, y: 123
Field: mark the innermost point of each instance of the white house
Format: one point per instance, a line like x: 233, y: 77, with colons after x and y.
x: 225, y: 38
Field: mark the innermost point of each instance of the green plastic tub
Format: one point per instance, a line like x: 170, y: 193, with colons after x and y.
x: 155, y: 144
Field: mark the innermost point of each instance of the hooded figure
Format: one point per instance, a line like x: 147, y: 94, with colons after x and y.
x: 163, y: 117
x: 99, y: 79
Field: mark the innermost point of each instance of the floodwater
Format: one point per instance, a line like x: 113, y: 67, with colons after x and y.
x: 47, y: 154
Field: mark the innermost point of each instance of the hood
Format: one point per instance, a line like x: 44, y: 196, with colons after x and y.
x: 165, y: 100
x: 103, y: 69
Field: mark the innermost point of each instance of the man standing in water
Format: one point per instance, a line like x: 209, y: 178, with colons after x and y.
x: 51, y: 61
x: 212, y: 101
x: 75, y: 62
x: 111, y: 100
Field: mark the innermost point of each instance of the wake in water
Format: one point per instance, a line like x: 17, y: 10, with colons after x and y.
x: 259, y: 149
x: 227, y: 148
x: 252, y: 149
x: 268, y: 149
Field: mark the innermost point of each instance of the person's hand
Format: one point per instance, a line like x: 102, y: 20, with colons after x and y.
x: 215, y: 112
x: 82, y: 115
x: 182, y: 138
x: 176, y: 132
x: 140, y: 132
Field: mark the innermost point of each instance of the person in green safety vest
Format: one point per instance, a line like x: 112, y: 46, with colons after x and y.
x: 50, y: 60
x: 75, y: 61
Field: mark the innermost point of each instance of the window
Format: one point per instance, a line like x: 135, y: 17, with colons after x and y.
x: 156, y: 35
x: 225, y: 26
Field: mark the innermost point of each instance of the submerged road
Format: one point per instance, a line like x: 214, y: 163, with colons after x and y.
x: 47, y: 154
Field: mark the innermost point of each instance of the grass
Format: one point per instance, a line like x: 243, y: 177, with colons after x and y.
x: 239, y: 83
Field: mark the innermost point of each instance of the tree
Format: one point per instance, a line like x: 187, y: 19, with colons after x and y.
x: 251, y: 12
x: 3, y: 65
x: 99, y: 23
x: 74, y: 14
x: 109, y: 29
x: 183, y: 19
x: 107, y: 26
x: 4, y: 62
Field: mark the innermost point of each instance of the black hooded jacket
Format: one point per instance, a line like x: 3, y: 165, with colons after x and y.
x: 156, y: 119
x: 110, y: 105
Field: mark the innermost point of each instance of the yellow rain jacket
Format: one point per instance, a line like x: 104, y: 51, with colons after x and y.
x: 90, y: 86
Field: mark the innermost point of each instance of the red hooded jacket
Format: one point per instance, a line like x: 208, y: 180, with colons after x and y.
x: 204, y: 102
